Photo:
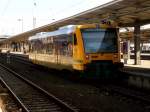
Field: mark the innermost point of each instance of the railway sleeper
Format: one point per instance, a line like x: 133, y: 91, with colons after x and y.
x: 45, y: 109
x: 44, y: 105
x: 41, y: 102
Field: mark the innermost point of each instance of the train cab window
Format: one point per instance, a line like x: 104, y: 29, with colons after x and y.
x: 100, y: 40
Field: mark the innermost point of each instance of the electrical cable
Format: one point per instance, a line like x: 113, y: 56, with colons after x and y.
x: 5, y: 7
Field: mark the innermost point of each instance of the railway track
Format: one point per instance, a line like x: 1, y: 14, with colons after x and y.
x: 23, y: 59
x: 31, y: 97
x: 119, y: 90
x: 125, y: 91
x: 128, y: 92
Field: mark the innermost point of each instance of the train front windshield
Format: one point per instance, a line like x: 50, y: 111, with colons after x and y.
x: 100, y: 40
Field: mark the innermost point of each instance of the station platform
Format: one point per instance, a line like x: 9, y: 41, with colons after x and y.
x: 138, y: 75
x: 141, y: 70
x: 20, y: 54
x: 144, y: 64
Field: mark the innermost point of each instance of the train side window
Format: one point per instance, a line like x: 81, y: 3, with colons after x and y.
x: 75, y: 39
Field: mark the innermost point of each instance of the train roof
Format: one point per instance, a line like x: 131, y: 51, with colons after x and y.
x: 65, y: 30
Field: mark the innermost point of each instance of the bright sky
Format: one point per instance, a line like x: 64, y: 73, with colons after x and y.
x: 45, y: 11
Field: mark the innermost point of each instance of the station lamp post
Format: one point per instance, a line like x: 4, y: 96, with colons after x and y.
x: 34, y: 17
x: 21, y: 20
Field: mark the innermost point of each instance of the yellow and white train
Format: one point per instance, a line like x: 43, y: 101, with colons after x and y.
x: 92, y: 49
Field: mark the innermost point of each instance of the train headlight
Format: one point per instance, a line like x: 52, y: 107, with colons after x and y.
x: 115, y: 55
x: 87, y: 57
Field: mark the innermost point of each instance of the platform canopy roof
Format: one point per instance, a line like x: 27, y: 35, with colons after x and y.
x: 145, y: 35
x: 125, y: 12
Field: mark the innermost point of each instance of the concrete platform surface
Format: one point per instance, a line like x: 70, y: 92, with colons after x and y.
x: 144, y: 63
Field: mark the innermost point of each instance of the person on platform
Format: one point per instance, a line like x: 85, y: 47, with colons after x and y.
x: 8, y: 56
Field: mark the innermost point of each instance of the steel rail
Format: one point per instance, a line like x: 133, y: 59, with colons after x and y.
x: 14, y: 95
x: 63, y: 105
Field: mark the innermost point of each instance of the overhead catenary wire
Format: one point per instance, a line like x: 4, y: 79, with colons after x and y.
x: 70, y: 7
x: 5, y: 8
x: 4, y: 11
